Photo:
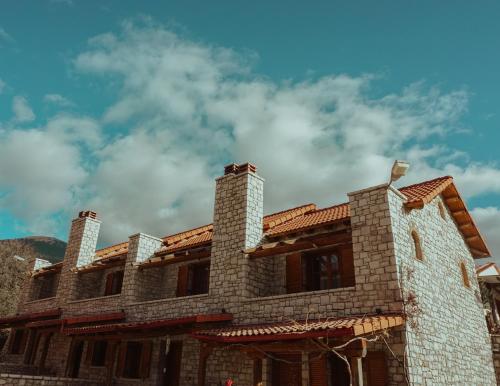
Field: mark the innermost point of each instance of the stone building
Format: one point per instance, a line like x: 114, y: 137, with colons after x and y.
x: 381, y: 290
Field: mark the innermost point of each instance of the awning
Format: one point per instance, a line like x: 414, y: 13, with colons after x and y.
x: 28, y: 317
x: 330, y: 327
x: 149, y: 325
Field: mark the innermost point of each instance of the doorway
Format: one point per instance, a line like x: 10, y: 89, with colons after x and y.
x: 75, y: 359
x: 170, y: 363
x: 287, y: 369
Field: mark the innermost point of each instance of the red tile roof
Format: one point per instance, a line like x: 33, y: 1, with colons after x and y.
x: 148, y: 325
x: 345, y: 326
x: 426, y: 191
x: 308, y: 216
x: 313, y: 219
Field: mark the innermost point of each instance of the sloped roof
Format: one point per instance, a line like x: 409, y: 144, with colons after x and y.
x: 420, y: 194
x: 345, y: 326
x: 308, y: 216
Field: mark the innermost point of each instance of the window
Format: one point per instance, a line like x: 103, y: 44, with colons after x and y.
x: 47, y: 286
x: 193, y: 279
x: 320, y: 270
x: 465, y: 275
x: 18, y: 341
x: 442, y: 210
x: 418, y: 246
x: 99, y: 353
x: 134, y: 360
x: 114, y: 281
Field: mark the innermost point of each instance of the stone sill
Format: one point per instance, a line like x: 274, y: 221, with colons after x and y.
x: 94, y: 299
x: 41, y: 300
x: 301, y: 294
x: 167, y: 300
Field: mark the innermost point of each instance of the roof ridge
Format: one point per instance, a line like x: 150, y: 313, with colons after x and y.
x: 289, y: 210
x: 426, y: 182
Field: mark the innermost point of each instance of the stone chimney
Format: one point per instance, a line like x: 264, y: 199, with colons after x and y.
x: 80, y: 250
x: 237, y: 222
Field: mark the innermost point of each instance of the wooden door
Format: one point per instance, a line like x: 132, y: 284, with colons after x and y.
x: 287, y: 370
x: 170, y: 363
x: 375, y: 368
x: 339, y: 373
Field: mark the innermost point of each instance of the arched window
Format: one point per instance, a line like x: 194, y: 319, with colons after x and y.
x: 418, y: 246
x: 465, y: 275
x: 442, y: 210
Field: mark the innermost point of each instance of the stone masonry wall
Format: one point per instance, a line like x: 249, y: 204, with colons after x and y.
x: 30, y: 380
x: 447, y: 338
x: 238, y: 213
x: 495, y: 343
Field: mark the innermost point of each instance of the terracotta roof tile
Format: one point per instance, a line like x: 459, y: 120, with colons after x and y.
x: 313, y: 219
x: 351, y: 325
x: 426, y: 190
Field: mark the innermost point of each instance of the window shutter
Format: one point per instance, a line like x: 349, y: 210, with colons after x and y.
x: 318, y: 370
x: 182, y: 280
x: 24, y: 340
x: 376, y: 368
x: 347, y: 268
x: 109, y: 284
x: 294, y: 273
x: 121, y: 359
x: 147, y: 348
x: 89, y: 353
x: 257, y: 371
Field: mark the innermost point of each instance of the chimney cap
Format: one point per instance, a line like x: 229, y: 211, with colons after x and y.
x: 237, y: 169
x: 87, y: 213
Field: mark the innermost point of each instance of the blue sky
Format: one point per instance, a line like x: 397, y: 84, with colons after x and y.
x: 132, y: 108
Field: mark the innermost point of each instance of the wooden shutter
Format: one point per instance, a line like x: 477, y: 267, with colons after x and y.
x: 24, y: 340
x: 89, y: 353
x: 147, y: 348
x: 318, y: 370
x: 182, y: 280
x: 376, y: 368
x: 257, y: 371
x: 294, y: 273
x: 109, y: 284
x: 347, y: 268
x: 120, y: 366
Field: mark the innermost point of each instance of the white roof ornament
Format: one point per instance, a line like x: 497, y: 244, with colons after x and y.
x: 398, y: 170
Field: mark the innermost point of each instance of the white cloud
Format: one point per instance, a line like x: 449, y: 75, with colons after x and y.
x: 189, y: 107
x: 66, y: 2
x: 22, y: 110
x: 57, y: 99
x: 5, y: 37
x: 40, y: 173
x: 488, y: 221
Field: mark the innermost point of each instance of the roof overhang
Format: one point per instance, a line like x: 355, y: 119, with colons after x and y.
x: 460, y: 214
x: 22, y: 319
x: 330, y: 327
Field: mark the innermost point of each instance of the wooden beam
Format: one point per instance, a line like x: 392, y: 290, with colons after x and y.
x: 177, y: 259
x: 98, y: 266
x: 205, y: 351
x: 471, y: 239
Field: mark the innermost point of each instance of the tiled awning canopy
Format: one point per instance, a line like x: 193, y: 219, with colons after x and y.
x: 148, y: 325
x: 29, y: 317
x: 330, y: 327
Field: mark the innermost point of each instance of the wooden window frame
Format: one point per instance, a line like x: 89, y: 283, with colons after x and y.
x: 465, y: 275
x: 19, y: 339
x: 140, y: 359
x: 189, y: 282
x: 417, y: 244
x: 98, y: 352
x: 298, y: 274
x: 114, y: 283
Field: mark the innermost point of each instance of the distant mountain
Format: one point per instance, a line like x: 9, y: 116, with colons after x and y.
x: 14, y: 254
x: 48, y: 248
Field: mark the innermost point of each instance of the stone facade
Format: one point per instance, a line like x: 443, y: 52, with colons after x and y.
x: 444, y: 341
